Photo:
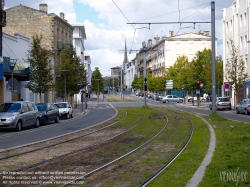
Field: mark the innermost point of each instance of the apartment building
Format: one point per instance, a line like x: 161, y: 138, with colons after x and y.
x: 236, y: 28
x: 56, y: 31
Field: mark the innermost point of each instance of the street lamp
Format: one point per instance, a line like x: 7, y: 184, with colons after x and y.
x: 12, y: 67
x: 98, y: 89
x: 64, y: 75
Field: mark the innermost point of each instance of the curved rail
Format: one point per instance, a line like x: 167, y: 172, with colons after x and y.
x: 76, y: 151
x: 117, y: 159
x: 55, y: 144
x: 174, y: 157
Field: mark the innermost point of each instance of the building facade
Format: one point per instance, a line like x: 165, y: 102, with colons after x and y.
x: 15, y: 49
x: 236, y: 28
x: 56, y: 32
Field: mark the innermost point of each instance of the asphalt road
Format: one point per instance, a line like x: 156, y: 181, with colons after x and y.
x: 93, y: 117
x: 97, y: 114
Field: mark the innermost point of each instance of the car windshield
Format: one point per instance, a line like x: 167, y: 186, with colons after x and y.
x: 41, y: 107
x: 10, y: 107
x: 61, y: 105
x: 223, y: 99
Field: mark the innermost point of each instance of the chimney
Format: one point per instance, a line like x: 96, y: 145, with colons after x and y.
x: 164, y: 37
x: 157, y: 39
x: 171, y: 33
x: 206, y: 33
x: 62, y: 15
x: 43, y: 7
x: 149, y: 42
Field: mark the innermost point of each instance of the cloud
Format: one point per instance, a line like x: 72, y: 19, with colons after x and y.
x: 106, y: 38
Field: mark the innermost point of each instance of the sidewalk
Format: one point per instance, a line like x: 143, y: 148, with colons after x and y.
x: 92, y: 101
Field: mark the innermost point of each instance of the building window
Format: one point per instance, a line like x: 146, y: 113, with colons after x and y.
x: 240, y: 20
x: 245, y: 41
x: 231, y: 25
x: 245, y: 18
x: 227, y: 26
x: 241, y: 42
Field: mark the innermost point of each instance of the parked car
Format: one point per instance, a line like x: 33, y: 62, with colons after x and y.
x: 150, y: 95
x: 243, y: 107
x: 221, y: 103
x: 48, y: 112
x: 159, y: 97
x: 18, y: 114
x: 154, y: 96
x: 172, y: 98
x: 65, y: 110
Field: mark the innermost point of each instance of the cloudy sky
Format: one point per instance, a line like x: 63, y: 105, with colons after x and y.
x: 107, y: 28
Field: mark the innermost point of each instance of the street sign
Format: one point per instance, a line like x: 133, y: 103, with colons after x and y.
x: 169, y: 84
x: 226, y: 85
x: 198, y: 91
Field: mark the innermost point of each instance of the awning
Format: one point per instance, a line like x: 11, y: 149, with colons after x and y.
x: 246, y: 85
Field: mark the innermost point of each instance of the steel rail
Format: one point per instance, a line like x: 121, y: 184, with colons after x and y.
x: 55, y: 144
x: 75, y: 151
x: 117, y: 159
x: 174, y: 157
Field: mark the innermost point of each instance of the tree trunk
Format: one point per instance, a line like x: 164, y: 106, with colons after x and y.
x: 40, y: 98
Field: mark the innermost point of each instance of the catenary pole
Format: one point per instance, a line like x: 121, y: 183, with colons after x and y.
x: 213, y: 56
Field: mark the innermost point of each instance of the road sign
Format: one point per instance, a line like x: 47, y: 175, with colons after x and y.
x: 198, y: 91
x: 226, y: 85
x: 169, y: 84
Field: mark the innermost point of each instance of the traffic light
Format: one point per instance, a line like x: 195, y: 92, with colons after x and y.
x: 198, y: 84
x: 145, y: 84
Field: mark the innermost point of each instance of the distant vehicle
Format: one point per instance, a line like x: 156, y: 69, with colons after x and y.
x: 221, y: 103
x: 48, y: 112
x: 65, y: 110
x: 172, y: 98
x: 159, y: 97
x: 243, y: 107
x: 18, y: 114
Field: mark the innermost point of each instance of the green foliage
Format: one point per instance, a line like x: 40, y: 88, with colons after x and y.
x: 97, y: 80
x: 75, y: 72
x: 235, y: 69
x: 41, y: 77
x: 138, y: 83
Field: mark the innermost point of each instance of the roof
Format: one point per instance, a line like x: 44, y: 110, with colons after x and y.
x: 82, y: 28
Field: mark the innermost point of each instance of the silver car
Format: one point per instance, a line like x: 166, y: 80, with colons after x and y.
x: 18, y: 114
x: 243, y: 107
x: 172, y: 98
x: 221, y: 103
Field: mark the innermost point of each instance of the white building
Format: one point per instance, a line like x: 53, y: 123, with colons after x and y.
x: 236, y: 27
x: 79, y: 36
x: 16, y: 48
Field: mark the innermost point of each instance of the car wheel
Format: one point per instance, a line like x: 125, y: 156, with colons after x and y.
x: 237, y: 111
x: 19, y: 126
x: 57, y: 119
x: 181, y: 101
x: 45, y: 120
x: 67, y: 116
x: 37, y: 123
x: 71, y: 115
x: 163, y: 101
x: 167, y: 101
x: 210, y: 107
x: 246, y: 112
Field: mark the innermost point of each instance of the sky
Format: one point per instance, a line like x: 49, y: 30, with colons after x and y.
x: 107, y: 23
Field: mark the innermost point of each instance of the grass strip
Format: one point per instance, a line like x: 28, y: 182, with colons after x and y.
x: 230, y: 165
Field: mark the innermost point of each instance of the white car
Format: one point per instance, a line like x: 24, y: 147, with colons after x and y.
x: 65, y: 109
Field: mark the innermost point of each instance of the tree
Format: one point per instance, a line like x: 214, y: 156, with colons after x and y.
x: 138, y: 83
x: 75, y: 73
x: 97, y: 81
x: 219, y: 72
x: 41, y: 77
x: 236, y: 71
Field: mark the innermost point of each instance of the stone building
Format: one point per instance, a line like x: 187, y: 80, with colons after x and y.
x: 56, y: 31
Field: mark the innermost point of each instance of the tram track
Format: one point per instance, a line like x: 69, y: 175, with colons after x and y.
x: 140, y: 146
x: 146, y: 181
x: 78, y: 150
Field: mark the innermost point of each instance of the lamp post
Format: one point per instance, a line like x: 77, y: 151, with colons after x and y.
x: 98, y: 90
x: 12, y: 67
x: 64, y: 75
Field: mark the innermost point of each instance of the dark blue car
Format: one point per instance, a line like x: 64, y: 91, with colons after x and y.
x: 48, y: 112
